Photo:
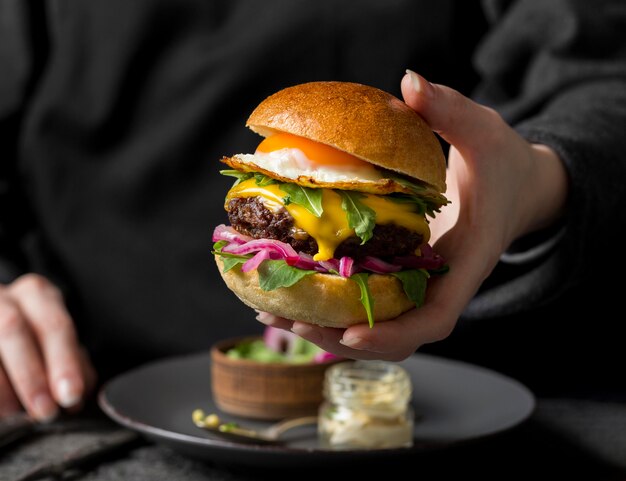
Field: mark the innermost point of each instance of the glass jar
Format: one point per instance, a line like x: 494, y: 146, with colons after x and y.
x: 367, y: 406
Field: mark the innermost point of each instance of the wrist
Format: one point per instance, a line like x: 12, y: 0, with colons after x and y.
x: 548, y: 194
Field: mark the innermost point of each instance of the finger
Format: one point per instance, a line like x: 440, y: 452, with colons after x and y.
x: 43, y: 305
x: 274, y: 321
x: 329, y: 339
x: 460, y: 121
x: 90, y: 379
x: 435, y: 320
x: 9, y: 404
x: 22, y: 361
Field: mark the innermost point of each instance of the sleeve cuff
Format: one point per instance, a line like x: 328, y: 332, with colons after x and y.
x: 533, y: 247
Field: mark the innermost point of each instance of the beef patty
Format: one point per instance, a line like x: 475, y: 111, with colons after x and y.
x: 249, y: 216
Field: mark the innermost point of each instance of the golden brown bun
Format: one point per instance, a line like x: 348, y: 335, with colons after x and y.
x: 323, y: 299
x: 361, y: 120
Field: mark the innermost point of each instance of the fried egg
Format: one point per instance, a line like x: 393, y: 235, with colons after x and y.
x: 290, y: 158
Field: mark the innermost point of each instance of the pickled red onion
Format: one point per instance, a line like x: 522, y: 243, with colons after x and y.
x: 263, y: 249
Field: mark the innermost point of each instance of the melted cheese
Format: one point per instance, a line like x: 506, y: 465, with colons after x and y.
x: 332, y: 228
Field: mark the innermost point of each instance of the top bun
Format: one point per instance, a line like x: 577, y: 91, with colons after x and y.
x: 361, y: 120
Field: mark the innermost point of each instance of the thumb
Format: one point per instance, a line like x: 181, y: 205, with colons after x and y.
x: 458, y: 120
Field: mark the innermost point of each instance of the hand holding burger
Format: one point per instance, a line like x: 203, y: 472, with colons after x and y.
x: 329, y: 215
x: 500, y: 187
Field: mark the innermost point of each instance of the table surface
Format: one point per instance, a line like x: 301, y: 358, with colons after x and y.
x: 564, y: 438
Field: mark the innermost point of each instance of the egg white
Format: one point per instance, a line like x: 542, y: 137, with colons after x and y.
x: 292, y: 163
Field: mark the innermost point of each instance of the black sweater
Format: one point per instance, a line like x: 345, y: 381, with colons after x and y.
x: 113, y: 115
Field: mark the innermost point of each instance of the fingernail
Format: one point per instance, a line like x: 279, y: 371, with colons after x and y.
x: 420, y: 84
x: 306, y: 331
x: 265, y: 318
x: 356, y: 343
x: 68, y: 393
x: 44, y: 408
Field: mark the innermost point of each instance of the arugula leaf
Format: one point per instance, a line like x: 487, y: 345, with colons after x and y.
x: 422, y: 195
x: 272, y: 273
x: 218, y: 246
x: 414, y: 284
x: 422, y: 206
x: 277, y: 273
x: 366, y: 296
x: 262, y: 180
x: 240, y: 176
x: 229, y: 260
x: 441, y: 270
x: 310, y: 199
x: 361, y: 218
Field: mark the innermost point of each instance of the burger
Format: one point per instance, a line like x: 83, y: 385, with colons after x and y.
x: 329, y: 217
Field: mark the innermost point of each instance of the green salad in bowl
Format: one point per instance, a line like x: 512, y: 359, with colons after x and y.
x: 278, y: 345
x: 274, y: 376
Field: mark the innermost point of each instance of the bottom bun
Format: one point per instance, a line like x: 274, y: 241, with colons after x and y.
x: 324, y: 299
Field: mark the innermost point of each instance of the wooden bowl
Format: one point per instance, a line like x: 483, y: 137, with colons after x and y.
x: 264, y: 390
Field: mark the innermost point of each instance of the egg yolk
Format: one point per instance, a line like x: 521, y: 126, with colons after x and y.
x: 316, y: 152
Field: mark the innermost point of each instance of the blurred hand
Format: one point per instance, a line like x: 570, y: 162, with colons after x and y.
x: 42, y: 365
x: 500, y: 187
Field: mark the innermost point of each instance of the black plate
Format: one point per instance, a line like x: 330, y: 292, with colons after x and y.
x: 454, y: 402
